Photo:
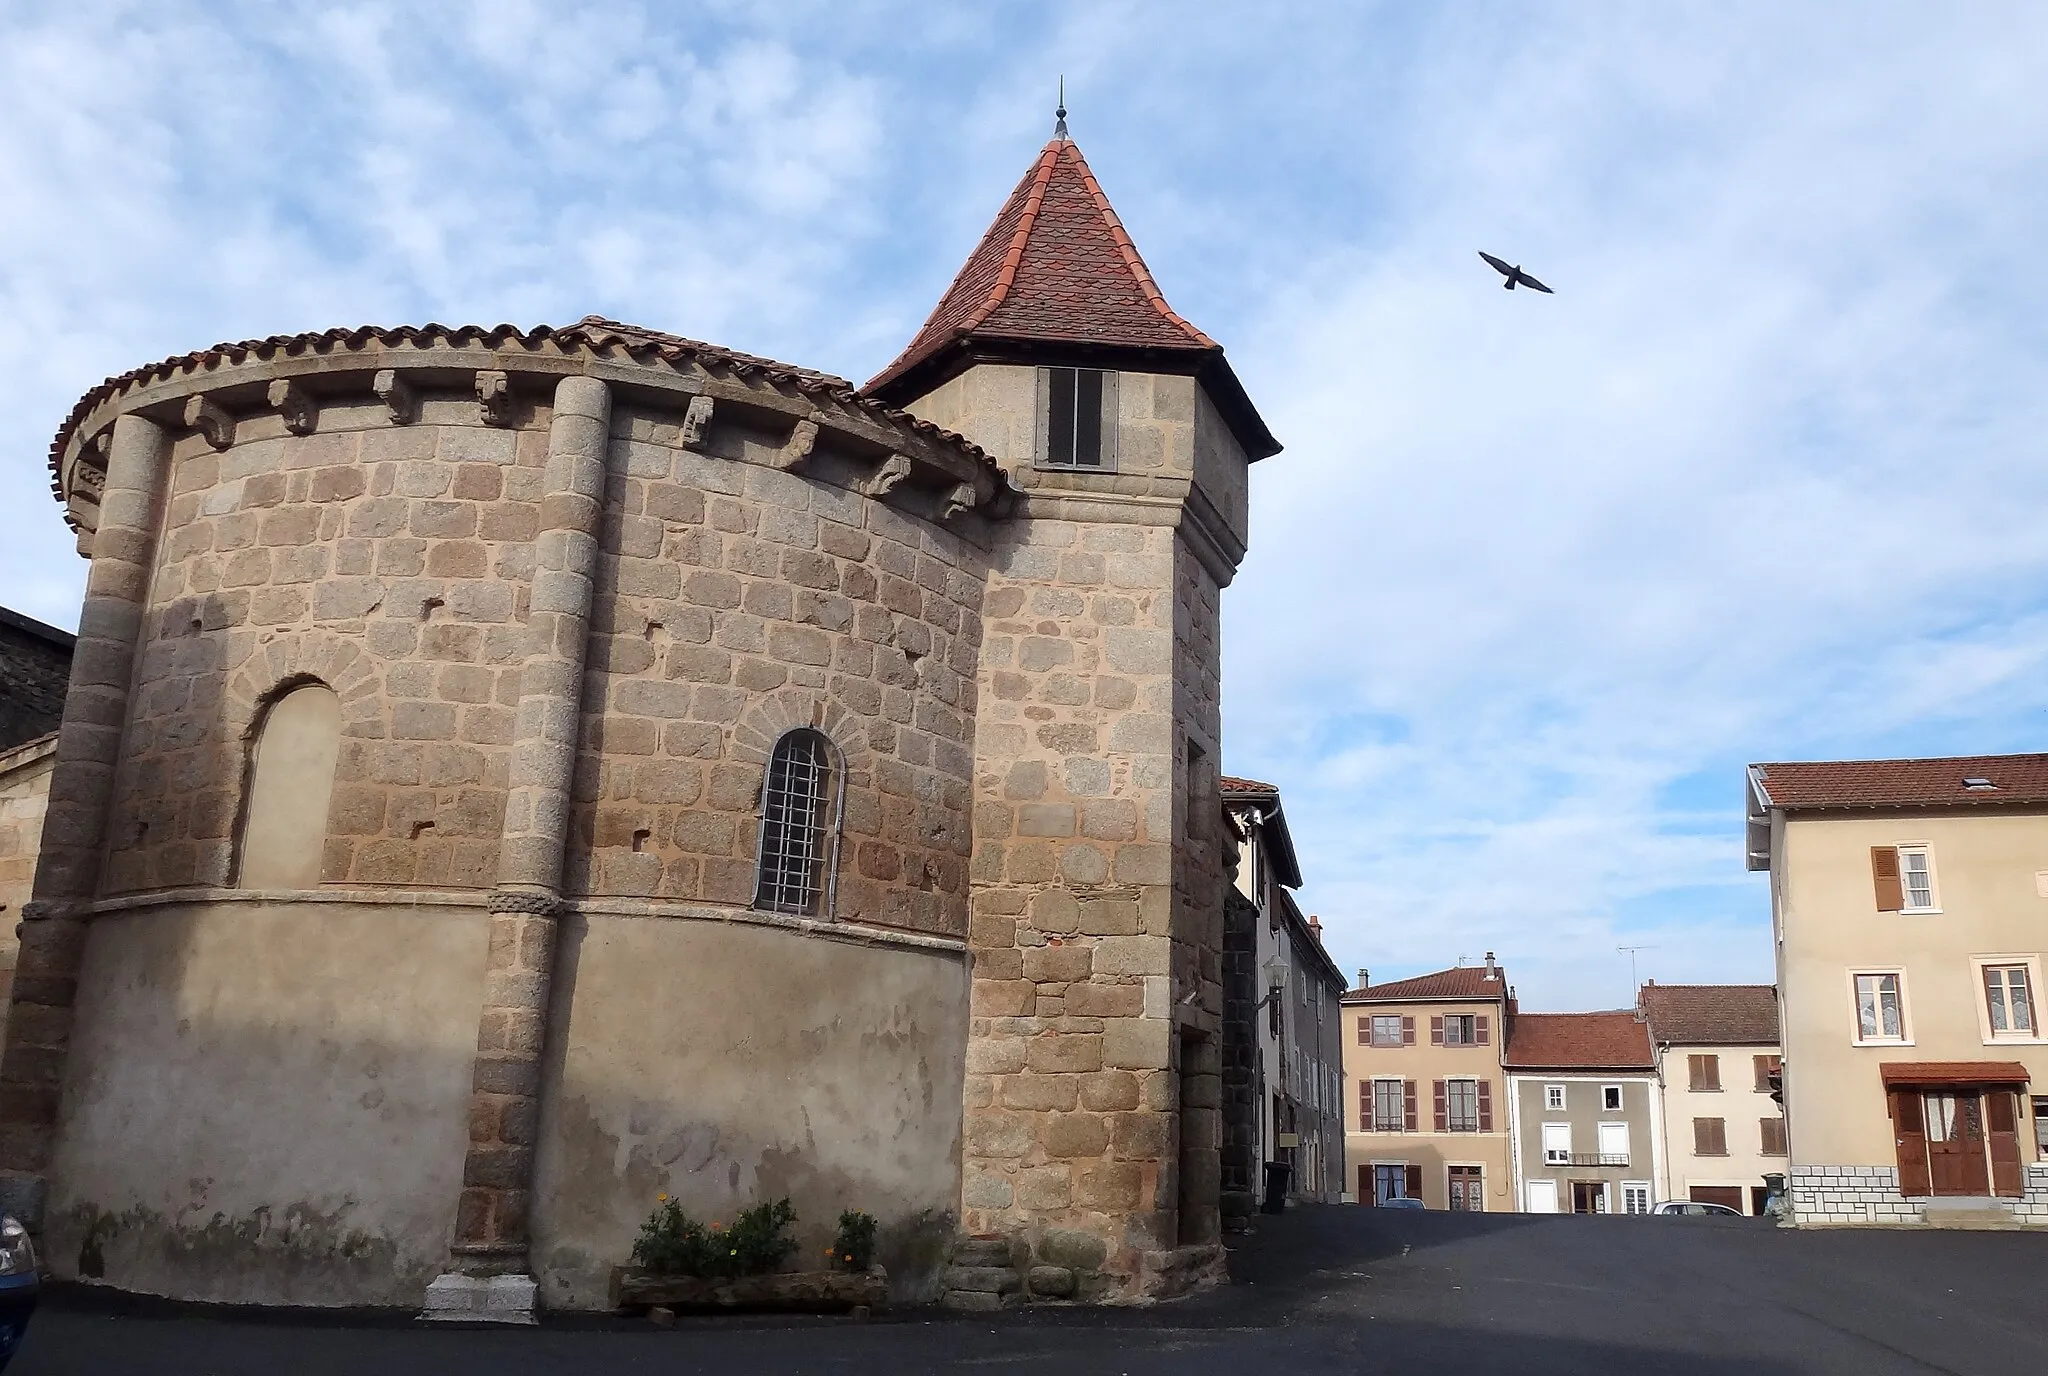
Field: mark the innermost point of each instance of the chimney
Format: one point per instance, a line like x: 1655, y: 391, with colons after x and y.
x: 1315, y: 924
x: 1492, y: 970
x: 1364, y: 977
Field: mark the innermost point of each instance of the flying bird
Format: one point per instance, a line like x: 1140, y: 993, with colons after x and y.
x: 1513, y: 273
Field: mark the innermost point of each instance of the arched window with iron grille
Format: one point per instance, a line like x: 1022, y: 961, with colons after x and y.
x: 800, y: 799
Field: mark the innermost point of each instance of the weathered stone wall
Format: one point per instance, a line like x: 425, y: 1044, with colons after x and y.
x: 24, y: 798
x: 726, y: 1065
x: 736, y: 601
x: 266, y: 1100
x: 35, y: 663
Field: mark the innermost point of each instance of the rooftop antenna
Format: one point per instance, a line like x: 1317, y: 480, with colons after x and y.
x: 1059, y: 128
x: 1630, y: 952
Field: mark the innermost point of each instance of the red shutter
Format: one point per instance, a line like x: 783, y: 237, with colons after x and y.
x: 1436, y: 1031
x: 1408, y: 1104
x: 1909, y: 1129
x: 1482, y: 1033
x: 1407, y: 1031
x: 1440, y: 1100
x: 1486, y: 1106
x: 1415, y: 1182
x: 1884, y: 876
x: 1365, y: 1105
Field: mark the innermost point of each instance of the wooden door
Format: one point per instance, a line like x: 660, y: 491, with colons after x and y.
x: 1731, y: 1195
x: 1467, y: 1190
x: 1909, y: 1131
x: 1589, y: 1197
x: 2002, y: 1131
x: 1955, y: 1142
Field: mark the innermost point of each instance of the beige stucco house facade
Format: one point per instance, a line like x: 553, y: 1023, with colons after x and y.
x: 508, y: 773
x: 1909, y: 902
x: 1428, y: 1115
x: 1717, y: 1061
x: 1585, y: 1108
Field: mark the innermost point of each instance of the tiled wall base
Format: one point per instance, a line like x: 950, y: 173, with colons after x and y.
x: 1870, y: 1194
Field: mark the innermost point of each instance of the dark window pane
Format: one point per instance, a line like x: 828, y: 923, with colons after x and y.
x: 1059, y: 430
x: 1088, y: 418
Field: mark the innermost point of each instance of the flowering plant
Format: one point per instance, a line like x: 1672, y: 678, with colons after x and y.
x: 672, y: 1243
x: 854, y: 1248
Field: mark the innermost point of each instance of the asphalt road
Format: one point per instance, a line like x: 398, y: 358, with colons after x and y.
x: 1320, y: 1290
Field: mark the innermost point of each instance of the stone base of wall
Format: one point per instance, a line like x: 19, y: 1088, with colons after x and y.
x: 1836, y: 1196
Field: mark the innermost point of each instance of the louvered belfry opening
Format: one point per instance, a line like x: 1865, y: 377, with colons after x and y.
x: 798, y: 826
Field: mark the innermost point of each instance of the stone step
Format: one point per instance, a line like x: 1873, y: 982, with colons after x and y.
x: 972, y: 1301
x: 1969, y: 1213
x: 981, y: 1251
x: 993, y: 1280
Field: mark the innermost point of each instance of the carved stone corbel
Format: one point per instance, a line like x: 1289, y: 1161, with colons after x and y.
x: 494, y: 395
x: 207, y: 417
x: 295, y: 404
x: 887, y: 478
x: 797, y: 449
x: 959, y: 498
x: 397, y: 395
x: 696, y: 420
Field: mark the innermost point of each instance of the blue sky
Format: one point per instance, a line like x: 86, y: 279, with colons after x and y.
x: 1535, y: 576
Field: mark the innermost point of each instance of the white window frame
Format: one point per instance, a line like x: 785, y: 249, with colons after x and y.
x: 1400, y: 1104
x: 1450, y: 1123
x: 1535, y: 1187
x: 1620, y: 1099
x: 1553, y: 1098
x: 1372, y: 1033
x: 1462, y: 1019
x: 1633, y: 1190
x: 1856, y: 1037
x: 1603, y: 1133
x: 1543, y: 1142
x: 1906, y: 904
x: 2031, y: 963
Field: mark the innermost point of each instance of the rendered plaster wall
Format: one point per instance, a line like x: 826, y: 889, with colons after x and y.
x: 735, y: 601
x: 1741, y: 1106
x: 729, y: 1064
x: 266, y: 1100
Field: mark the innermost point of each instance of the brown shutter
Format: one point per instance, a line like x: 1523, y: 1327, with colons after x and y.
x: 1486, y: 1106
x: 1436, y: 1031
x: 1408, y: 1104
x: 1696, y: 1072
x: 1365, y: 1190
x: 1713, y: 1071
x: 1772, y: 1134
x: 1709, y: 1137
x: 1407, y: 1031
x: 1365, y: 1105
x: 1365, y: 1030
x: 1415, y: 1182
x: 1764, y: 1066
x: 1909, y: 1132
x: 2001, y: 1124
x: 1884, y: 875
x: 1482, y: 1035
x: 1440, y: 1101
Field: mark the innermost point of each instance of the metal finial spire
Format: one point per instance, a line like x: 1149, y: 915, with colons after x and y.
x: 1059, y: 128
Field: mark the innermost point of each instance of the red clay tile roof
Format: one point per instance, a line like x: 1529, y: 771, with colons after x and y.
x: 1462, y: 982
x: 1902, y: 783
x: 1712, y: 1014
x: 1233, y: 785
x: 1058, y: 266
x: 1578, y: 1041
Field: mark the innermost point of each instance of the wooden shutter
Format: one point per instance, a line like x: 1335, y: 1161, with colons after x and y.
x: 1440, y: 1100
x: 1365, y: 1105
x: 1415, y: 1182
x: 1366, y: 1195
x: 1436, y: 1030
x: 1705, y: 1072
x: 2001, y: 1125
x: 1909, y: 1133
x: 1408, y: 1104
x: 1407, y: 1031
x: 1764, y: 1066
x: 1884, y: 876
x: 1365, y: 1030
x: 1771, y: 1132
x: 1486, y: 1106
x: 1709, y: 1137
x: 1482, y: 1033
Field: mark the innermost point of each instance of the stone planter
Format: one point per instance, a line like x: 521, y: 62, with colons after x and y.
x: 634, y: 1291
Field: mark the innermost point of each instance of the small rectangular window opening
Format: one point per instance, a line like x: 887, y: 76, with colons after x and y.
x: 1073, y: 435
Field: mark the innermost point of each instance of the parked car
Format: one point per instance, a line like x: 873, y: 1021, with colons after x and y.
x: 1688, y: 1206
x: 1402, y: 1203
x: 19, y: 1285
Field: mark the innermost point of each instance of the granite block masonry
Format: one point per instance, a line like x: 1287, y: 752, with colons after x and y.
x: 511, y: 774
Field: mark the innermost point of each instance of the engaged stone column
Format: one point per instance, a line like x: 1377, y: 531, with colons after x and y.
x: 81, y: 788
x: 491, y: 1228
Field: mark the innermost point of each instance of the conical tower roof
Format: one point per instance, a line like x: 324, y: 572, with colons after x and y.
x: 1057, y: 279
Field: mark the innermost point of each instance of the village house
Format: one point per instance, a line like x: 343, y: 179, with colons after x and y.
x: 506, y: 774
x: 1585, y: 1110
x: 35, y: 663
x: 1296, y: 1069
x: 1717, y: 1060
x: 1429, y: 1118
x: 1909, y: 902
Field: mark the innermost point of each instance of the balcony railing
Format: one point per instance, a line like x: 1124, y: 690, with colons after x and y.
x: 1584, y: 1158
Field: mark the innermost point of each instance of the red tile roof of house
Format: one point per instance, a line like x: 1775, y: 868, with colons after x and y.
x: 1579, y: 1041
x: 1461, y: 982
x: 1712, y: 1014
x: 1234, y: 785
x: 1902, y: 783
x: 1057, y: 268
